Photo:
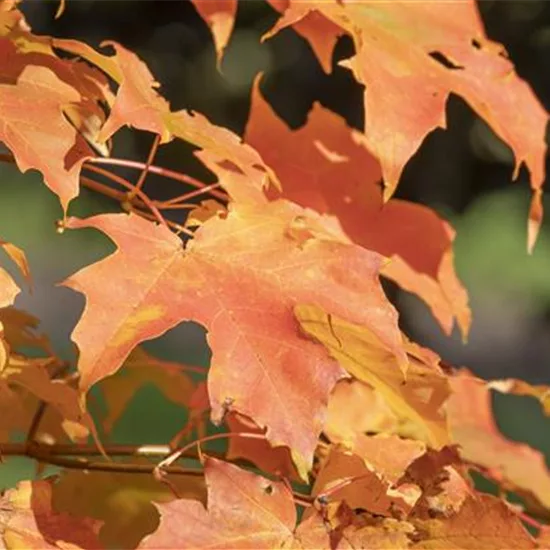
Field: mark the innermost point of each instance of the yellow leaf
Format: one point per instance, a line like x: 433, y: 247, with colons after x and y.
x: 418, y: 396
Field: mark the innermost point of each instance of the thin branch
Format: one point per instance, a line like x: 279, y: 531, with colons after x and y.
x: 133, y: 191
x: 184, y: 206
x: 148, y: 163
x: 179, y: 228
x: 344, y: 482
x: 37, y: 452
x: 119, y: 196
x: 61, y: 449
x: 529, y: 520
x: 122, y: 197
x: 59, y: 455
x: 305, y: 501
x: 190, y: 195
x: 192, y: 423
x: 170, y: 459
x: 165, y: 172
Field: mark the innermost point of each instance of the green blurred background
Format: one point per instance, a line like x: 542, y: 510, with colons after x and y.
x: 464, y: 173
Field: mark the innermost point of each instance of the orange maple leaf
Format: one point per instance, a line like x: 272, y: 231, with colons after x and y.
x: 244, y: 511
x: 220, y: 17
x: 326, y: 165
x: 410, y: 57
x: 240, y: 277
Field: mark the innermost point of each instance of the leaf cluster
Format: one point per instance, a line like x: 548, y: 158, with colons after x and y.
x: 340, y: 432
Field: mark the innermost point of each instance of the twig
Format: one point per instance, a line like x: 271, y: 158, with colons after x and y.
x: 165, y: 172
x: 179, y: 228
x: 132, y: 191
x: 145, y: 170
x: 172, y: 457
x: 59, y: 455
x: 187, y: 196
x: 41, y: 453
x: 119, y: 196
x: 122, y: 197
x: 529, y: 520
x: 60, y: 449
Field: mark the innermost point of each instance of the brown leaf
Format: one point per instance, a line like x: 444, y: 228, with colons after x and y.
x: 368, y: 475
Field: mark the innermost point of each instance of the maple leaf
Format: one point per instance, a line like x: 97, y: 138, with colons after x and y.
x: 543, y: 540
x: 419, y: 397
x: 449, y: 495
x: 516, y: 465
x: 11, y: 18
x: 19, y: 330
x: 326, y: 165
x: 138, y: 104
x: 220, y: 17
x: 39, y: 94
x: 27, y: 383
x: 483, y: 523
x: 244, y: 511
x: 432, y: 50
x: 37, y: 90
x: 272, y: 257
x: 203, y: 212
x: 28, y: 520
x: 321, y: 33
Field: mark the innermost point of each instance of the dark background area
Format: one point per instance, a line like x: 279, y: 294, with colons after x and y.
x: 464, y: 173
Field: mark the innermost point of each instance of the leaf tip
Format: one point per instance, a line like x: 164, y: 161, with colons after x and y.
x: 535, y: 220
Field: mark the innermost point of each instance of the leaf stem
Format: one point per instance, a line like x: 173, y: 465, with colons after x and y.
x: 171, y: 458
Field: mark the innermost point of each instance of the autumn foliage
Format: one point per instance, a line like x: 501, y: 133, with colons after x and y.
x: 339, y: 431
